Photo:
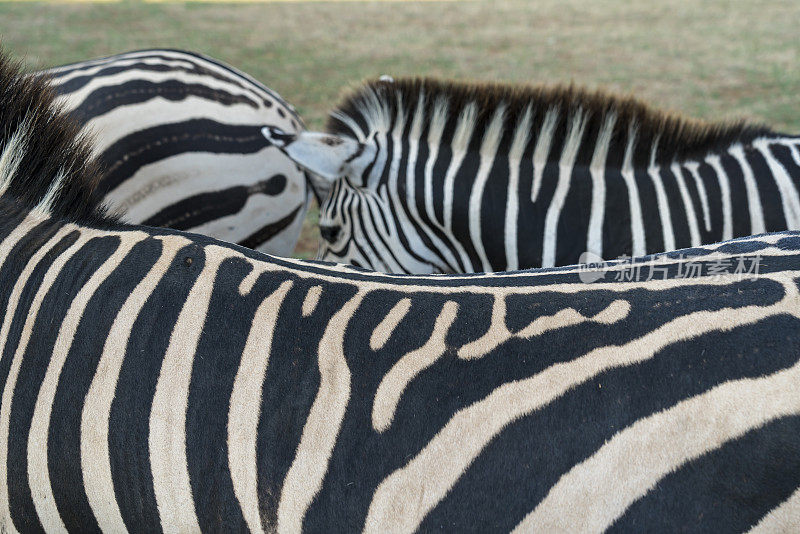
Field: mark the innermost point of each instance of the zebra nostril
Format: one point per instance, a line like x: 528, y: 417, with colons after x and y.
x: 329, y: 233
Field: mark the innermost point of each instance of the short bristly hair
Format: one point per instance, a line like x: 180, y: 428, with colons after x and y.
x: 45, y: 164
x: 374, y: 107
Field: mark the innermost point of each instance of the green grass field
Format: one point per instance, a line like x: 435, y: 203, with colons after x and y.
x: 712, y: 59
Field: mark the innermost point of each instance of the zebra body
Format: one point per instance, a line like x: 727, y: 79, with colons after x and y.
x: 159, y: 381
x: 179, y: 135
x: 427, y: 176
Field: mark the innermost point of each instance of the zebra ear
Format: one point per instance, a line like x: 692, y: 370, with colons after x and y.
x: 328, y: 156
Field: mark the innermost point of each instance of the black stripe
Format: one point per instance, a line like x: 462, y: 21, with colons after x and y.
x: 651, y: 218
x: 108, y: 98
x: 463, y: 184
x: 617, y: 236
x: 742, y: 225
x: 144, y: 147
x: 269, y: 231
x: 771, y: 202
x: 714, y: 193
x: 679, y: 215
x: 573, y: 223
x: 197, y: 210
x: 492, y: 208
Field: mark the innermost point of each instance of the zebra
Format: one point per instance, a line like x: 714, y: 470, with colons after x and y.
x: 179, y: 135
x: 433, y: 176
x: 155, y: 380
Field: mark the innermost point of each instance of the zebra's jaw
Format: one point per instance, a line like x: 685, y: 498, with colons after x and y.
x: 328, y: 156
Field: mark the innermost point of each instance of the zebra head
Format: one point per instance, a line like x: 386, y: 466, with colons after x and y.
x: 357, y: 221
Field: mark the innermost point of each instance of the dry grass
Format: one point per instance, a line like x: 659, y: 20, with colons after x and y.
x: 711, y: 59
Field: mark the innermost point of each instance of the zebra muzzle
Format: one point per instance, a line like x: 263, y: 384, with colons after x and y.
x: 329, y: 233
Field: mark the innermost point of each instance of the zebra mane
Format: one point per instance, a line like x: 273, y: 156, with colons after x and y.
x: 45, y: 165
x: 554, y: 108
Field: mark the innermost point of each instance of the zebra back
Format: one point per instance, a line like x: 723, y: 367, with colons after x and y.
x: 178, y: 135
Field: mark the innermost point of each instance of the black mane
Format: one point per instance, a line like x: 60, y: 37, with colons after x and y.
x: 41, y: 151
x: 678, y: 137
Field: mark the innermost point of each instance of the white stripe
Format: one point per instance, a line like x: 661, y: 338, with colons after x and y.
x: 488, y: 150
x: 637, y: 224
x: 245, y: 406
x: 572, y: 143
x: 96, y: 412
x: 45, y: 205
x: 693, y: 168
x: 725, y: 193
x: 522, y: 135
x: 408, y: 366
x: 167, y: 437
x: 311, y: 300
x: 386, y: 327
x: 596, y: 492
x: 663, y: 204
x: 757, y: 225
x: 38, y: 471
x: 27, y: 330
x: 783, y: 518
x: 542, y: 150
x: 305, y: 476
x: 11, y: 157
x: 597, y: 169
x: 789, y: 195
x: 691, y: 217
x: 795, y: 149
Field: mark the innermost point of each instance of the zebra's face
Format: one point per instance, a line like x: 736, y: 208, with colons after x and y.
x: 358, y: 227
x: 357, y: 223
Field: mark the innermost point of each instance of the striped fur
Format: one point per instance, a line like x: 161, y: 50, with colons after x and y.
x: 153, y: 380
x: 178, y: 135
x: 501, y: 177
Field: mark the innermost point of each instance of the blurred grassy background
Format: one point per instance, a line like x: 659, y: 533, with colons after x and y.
x: 712, y: 59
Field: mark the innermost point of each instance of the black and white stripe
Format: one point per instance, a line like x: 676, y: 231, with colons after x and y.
x: 153, y: 380
x: 460, y: 178
x: 179, y: 135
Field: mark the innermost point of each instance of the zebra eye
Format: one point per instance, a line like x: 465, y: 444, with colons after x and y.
x: 329, y: 233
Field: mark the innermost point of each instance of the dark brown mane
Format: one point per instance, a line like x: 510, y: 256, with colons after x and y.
x: 41, y: 146
x: 678, y: 137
